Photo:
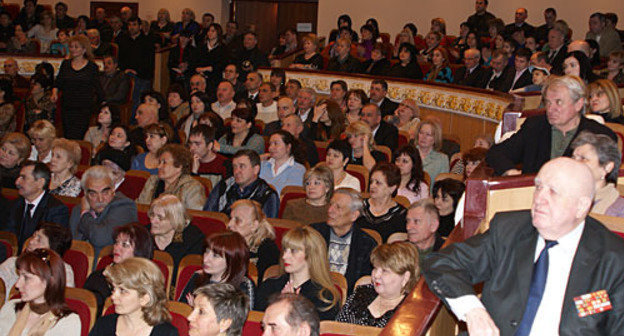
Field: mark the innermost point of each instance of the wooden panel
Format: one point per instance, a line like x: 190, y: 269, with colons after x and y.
x: 289, y: 14
x: 466, y: 128
x: 113, y: 8
x: 263, y: 15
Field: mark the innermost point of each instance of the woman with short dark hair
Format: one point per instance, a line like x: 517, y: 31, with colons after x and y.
x: 407, y: 67
x: 241, y: 134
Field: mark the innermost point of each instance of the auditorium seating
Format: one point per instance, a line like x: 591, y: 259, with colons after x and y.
x: 80, y: 256
x: 2, y: 290
x: 289, y: 193
x: 375, y: 235
x: 86, y: 151
x: 333, y: 328
x: 321, y: 149
x: 188, y: 265
x: 253, y: 324
x: 361, y: 173
x: 9, y: 240
x: 83, y: 303
x: 164, y: 261
x: 133, y: 183
x: 281, y: 226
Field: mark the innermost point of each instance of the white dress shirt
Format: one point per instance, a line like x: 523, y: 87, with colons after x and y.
x: 548, y: 314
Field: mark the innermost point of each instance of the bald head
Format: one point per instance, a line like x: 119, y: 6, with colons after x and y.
x: 564, y: 190
x: 146, y: 114
x: 579, y: 45
x: 293, y: 125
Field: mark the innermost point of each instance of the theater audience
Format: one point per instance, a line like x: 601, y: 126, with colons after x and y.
x: 219, y: 309
x: 380, y: 212
x: 178, y: 101
x: 37, y: 106
x: 395, y: 273
x: 318, y: 184
x: 604, y: 100
x: 225, y: 261
x: 428, y: 141
x: 241, y: 134
x: 163, y: 25
x: 140, y: 299
x: 20, y: 43
x: 413, y: 185
x: 100, y: 48
x: 101, y: 209
x: 615, y: 67
x: 118, y: 162
x: 63, y: 165
x: 472, y: 73
x: 212, y: 56
x: 244, y: 184
x: 422, y: 223
x: 98, y: 135
x: 304, y: 270
x: 118, y: 139
x: 600, y: 153
x: 41, y: 308
x: 284, y: 166
x: 42, y: 133
x: 14, y: 149
x: 174, y: 169
x: 362, y: 143
x: 44, y: 31
x: 446, y: 194
x: 156, y: 137
x: 11, y: 69
x: 130, y: 240
x: 337, y: 158
x: 266, y: 106
x: 293, y: 125
x: 383, y: 133
x: 8, y: 114
x: 338, y: 92
x: 48, y: 236
x: 378, y: 64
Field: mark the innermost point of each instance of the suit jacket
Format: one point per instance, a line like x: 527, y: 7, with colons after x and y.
x: 387, y: 135
x: 477, y: 78
x: 502, y: 258
x: 525, y: 79
x: 387, y: 107
x: 503, y: 82
x: 359, y: 252
x: 556, y: 61
x: 49, y: 209
x: 530, y: 146
x: 609, y: 41
x: 103, y: 49
x: 115, y: 87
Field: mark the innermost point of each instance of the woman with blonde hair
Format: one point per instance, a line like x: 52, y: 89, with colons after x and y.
x: 140, y: 301
x: 604, y: 100
x: 429, y: 141
x: 318, y: 183
x: 361, y: 139
x: 304, y: 270
x: 45, y: 31
x: 172, y: 230
x: 42, y: 134
x: 63, y: 165
x: 78, y: 81
x: 14, y: 149
x: 310, y: 58
x: 163, y: 25
x: 405, y: 36
x: 395, y: 274
x: 248, y: 219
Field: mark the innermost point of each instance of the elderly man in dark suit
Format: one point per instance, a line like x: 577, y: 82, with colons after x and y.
x: 35, y: 203
x: 384, y: 133
x: 544, y: 137
x: 557, y: 50
x: 349, y: 247
x: 548, y: 271
x: 472, y: 73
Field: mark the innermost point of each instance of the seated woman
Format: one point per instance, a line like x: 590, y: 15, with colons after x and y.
x: 285, y: 164
x: 310, y: 59
x: 406, y: 117
x: 361, y: 139
x: 446, y: 194
x: 395, y: 274
x: 174, y: 178
x: 381, y: 213
x: 199, y: 104
x: 241, y: 134
x: 41, y: 308
x: 577, y: 63
x: 64, y: 164
x: 407, y: 67
x: 605, y: 101
x: 318, y: 183
x: 38, y: 105
x: 178, y: 101
x: 108, y: 116
x: 432, y: 42
x: 328, y: 121
x: 48, y: 236
x: 366, y: 43
x: 440, y: 71
x: 304, y: 269
x: 41, y: 133
x: 14, y: 149
x: 378, y: 64
x: 225, y: 261
x: 428, y: 141
x: 405, y: 36
x: 413, y: 185
x: 140, y: 299
x: 356, y: 99
x: 458, y: 164
x: 156, y: 136
x: 600, y: 153
x: 157, y: 99
x: 248, y: 219
x: 473, y: 159
x: 7, y: 109
x: 172, y: 230
x: 337, y: 159
x: 118, y: 140
x: 615, y: 67
x: 131, y: 240
x: 219, y: 309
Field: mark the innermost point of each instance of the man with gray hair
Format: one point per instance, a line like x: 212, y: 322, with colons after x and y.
x: 291, y: 314
x: 99, y: 48
x: 472, y: 73
x: 349, y: 247
x: 422, y: 222
x: 101, y: 209
x: 306, y: 98
x: 548, y: 136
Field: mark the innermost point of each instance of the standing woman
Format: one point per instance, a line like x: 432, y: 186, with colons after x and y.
x: 440, y: 71
x: 41, y: 309
x: 212, y: 54
x: 78, y: 81
x: 248, y: 219
x: 413, y: 185
x: 140, y: 301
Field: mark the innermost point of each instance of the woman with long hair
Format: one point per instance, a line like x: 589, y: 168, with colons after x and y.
x: 328, y: 121
x: 285, y: 164
x: 226, y: 258
x: 248, y: 219
x: 304, y: 270
x: 41, y: 308
x: 440, y: 71
x: 362, y: 142
x: 108, y: 116
x: 241, y: 134
x: 140, y: 301
x: 605, y: 101
x: 212, y: 54
x: 413, y: 185
x: 578, y: 64
x: 163, y: 25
